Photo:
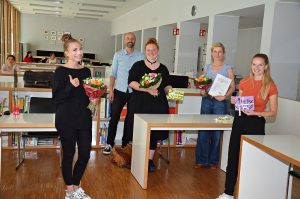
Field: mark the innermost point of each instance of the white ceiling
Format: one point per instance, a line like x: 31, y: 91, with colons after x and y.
x: 90, y: 9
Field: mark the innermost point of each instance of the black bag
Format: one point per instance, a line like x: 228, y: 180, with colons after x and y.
x: 38, y: 79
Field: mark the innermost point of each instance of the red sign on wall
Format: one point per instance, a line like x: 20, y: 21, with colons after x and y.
x: 202, y: 32
x: 175, y: 31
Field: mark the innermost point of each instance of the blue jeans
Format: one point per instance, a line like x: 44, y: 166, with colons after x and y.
x: 208, y: 142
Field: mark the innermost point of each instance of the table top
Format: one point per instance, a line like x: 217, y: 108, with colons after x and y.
x: 285, y: 147
x: 32, y: 120
x: 9, y: 86
x: 185, y: 120
x: 190, y: 91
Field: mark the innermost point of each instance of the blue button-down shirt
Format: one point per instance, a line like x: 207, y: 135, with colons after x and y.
x: 122, y: 63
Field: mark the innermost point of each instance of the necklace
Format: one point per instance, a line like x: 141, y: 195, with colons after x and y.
x: 151, y: 61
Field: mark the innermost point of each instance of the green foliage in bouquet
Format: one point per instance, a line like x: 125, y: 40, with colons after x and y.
x: 150, y: 80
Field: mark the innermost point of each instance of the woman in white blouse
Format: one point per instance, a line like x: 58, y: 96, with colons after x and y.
x: 10, y: 65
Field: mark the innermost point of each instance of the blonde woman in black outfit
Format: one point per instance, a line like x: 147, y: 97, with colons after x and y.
x: 73, y: 119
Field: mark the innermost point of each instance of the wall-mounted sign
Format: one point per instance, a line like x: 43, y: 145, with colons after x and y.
x: 175, y: 31
x: 202, y: 32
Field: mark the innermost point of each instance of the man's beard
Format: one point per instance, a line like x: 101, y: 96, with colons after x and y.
x: 130, y: 45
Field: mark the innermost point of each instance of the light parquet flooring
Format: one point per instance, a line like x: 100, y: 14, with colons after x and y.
x: 41, y: 178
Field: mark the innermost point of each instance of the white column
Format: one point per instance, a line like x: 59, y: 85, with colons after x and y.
x: 266, y: 34
x: 142, y: 41
x: 176, y: 50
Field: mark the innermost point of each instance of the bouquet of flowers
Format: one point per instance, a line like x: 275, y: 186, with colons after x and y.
x: 94, y: 89
x: 203, y: 83
x: 151, y: 80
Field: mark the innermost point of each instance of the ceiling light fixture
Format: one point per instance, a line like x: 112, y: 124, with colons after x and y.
x: 44, y: 10
x: 45, y: 6
x: 86, y: 18
x: 98, y: 5
x: 86, y: 14
x: 89, y: 10
x: 117, y: 0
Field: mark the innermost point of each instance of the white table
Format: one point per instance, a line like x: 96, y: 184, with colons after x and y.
x: 28, y: 123
x: 264, y: 165
x: 144, y: 123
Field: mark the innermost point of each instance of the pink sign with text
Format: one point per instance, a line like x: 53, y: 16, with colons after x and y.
x: 244, y: 103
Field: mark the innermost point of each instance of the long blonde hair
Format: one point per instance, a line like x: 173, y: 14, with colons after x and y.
x: 267, y: 79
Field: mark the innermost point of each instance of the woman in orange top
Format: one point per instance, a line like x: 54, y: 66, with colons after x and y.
x: 261, y: 86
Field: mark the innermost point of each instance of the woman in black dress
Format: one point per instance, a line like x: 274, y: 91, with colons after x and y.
x: 73, y: 119
x: 147, y: 100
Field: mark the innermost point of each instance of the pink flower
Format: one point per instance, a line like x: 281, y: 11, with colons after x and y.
x: 153, y: 75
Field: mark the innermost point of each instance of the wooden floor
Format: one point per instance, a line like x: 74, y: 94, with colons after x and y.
x: 41, y: 178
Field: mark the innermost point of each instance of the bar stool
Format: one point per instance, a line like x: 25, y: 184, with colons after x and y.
x: 293, y: 174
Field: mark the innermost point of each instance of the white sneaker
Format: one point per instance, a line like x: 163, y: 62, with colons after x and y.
x: 69, y: 195
x: 225, y: 196
x: 79, y: 194
x: 107, y: 150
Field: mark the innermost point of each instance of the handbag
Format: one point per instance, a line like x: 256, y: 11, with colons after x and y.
x: 38, y: 79
x: 122, y: 156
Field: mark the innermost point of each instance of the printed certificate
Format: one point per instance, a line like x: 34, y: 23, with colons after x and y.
x: 220, y: 86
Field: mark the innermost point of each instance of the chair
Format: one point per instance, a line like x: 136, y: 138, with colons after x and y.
x: 292, y: 173
x: 42, y: 105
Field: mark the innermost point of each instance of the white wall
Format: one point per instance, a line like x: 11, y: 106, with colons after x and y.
x: 287, y: 120
x: 167, y: 44
x: 225, y: 30
x: 248, y: 45
x: 147, y: 33
x: 284, y: 54
x: 96, y: 34
x: 189, y: 42
x: 138, y: 42
x: 170, y: 11
x: 118, y: 42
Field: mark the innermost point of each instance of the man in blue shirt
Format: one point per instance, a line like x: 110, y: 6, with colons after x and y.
x: 119, y: 91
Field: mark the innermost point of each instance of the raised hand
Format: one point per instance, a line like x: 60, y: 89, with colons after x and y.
x: 74, y: 81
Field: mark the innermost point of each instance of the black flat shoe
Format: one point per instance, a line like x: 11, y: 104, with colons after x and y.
x: 151, y: 166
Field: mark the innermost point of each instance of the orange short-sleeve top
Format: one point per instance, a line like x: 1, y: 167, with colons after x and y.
x: 251, y: 87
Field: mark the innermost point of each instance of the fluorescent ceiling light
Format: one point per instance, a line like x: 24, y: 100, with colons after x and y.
x: 117, y: 0
x: 53, y: 14
x: 89, y: 10
x: 86, y: 18
x: 45, y: 6
x: 86, y: 14
x: 98, y: 5
x: 43, y: 10
x: 51, y: 1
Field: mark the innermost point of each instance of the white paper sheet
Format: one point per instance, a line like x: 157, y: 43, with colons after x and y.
x: 220, y: 86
